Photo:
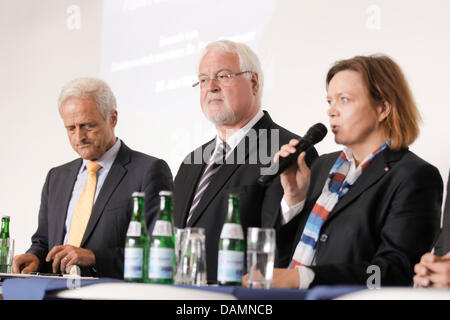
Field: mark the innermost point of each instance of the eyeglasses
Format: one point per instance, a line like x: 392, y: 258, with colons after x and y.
x: 223, y: 78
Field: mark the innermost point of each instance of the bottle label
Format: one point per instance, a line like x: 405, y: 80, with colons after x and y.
x: 162, y: 228
x: 232, y: 231
x: 230, y: 266
x: 160, y: 263
x: 134, y: 229
x: 133, y: 262
x: 4, y: 254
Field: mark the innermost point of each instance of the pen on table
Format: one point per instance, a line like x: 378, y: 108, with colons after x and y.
x: 435, y: 241
x: 433, y: 246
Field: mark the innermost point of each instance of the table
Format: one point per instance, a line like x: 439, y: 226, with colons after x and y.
x: 38, y: 288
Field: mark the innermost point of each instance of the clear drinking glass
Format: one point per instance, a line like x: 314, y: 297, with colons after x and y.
x: 192, y: 269
x: 179, y: 234
x: 260, y: 257
x: 6, y: 255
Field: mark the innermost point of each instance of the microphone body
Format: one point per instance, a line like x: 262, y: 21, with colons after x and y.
x: 315, y: 134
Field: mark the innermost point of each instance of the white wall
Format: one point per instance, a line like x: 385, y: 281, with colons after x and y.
x: 38, y: 54
x: 46, y: 43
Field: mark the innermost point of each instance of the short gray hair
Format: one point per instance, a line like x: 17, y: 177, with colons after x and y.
x: 83, y: 88
x: 248, y: 60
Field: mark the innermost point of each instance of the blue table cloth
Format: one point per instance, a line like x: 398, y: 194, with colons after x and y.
x: 35, y: 288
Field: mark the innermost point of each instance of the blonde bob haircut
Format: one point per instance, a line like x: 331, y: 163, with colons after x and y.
x: 387, y: 85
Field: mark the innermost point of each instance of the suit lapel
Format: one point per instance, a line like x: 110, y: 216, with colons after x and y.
x: 115, y: 175
x: 210, y: 191
x: 64, y: 194
x: 371, y: 175
x: 376, y: 170
x: 190, y: 186
x: 227, y: 170
x: 216, y: 184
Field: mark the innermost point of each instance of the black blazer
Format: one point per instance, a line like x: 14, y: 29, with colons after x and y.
x: 443, y: 246
x: 258, y: 206
x: 388, y: 218
x: 107, y: 227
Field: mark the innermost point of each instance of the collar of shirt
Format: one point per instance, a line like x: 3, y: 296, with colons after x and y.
x: 349, y: 154
x: 234, y: 140
x: 105, y: 160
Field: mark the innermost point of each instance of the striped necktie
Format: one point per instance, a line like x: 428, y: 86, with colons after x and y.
x: 215, y: 162
x: 84, y: 206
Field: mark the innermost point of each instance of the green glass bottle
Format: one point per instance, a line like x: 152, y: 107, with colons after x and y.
x: 136, y: 243
x: 162, y: 244
x: 4, y: 249
x: 231, y: 246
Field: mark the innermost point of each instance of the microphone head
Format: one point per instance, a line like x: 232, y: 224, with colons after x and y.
x: 316, y: 133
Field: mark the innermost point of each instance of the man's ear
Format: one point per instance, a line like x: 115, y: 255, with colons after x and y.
x: 113, y: 118
x: 255, y: 83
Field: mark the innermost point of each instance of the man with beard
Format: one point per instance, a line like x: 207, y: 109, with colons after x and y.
x: 231, y: 81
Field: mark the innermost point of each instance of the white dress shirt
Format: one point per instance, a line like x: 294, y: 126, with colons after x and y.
x: 237, y: 136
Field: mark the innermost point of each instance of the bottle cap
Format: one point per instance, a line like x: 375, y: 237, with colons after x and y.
x: 166, y: 193
x: 138, y: 194
x: 6, y: 217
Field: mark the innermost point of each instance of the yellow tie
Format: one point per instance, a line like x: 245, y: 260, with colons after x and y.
x: 84, y: 206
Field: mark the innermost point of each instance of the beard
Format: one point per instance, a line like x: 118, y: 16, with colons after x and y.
x: 220, y: 115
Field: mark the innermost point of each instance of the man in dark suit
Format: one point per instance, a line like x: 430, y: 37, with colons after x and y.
x: 86, y: 204
x: 231, y: 81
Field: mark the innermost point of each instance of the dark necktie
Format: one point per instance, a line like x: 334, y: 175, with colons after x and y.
x: 214, y: 164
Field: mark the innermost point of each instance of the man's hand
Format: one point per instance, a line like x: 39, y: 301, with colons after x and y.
x: 25, y: 263
x: 67, y: 255
x: 433, y: 271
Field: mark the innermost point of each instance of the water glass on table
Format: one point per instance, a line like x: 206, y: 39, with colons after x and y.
x: 192, y: 263
x: 179, y: 235
x: 260, y: 257
x: 6, y: 255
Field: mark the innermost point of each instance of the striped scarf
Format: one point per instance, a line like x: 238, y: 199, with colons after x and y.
x: 337, y: 185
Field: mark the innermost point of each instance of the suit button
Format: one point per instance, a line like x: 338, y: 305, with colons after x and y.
x: 323, y: 238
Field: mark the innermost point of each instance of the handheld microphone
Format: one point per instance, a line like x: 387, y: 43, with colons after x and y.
x: 315, y: 134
